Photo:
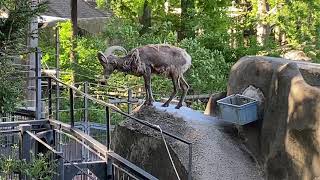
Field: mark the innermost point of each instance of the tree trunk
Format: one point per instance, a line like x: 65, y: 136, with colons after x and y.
x: 145, y: 20
x: 185, y: 29
x: 262, y: 26
x: 73, y: 54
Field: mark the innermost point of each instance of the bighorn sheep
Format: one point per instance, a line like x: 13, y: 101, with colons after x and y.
x: 143, y: 61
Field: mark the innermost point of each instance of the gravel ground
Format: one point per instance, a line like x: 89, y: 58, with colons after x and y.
x: 216, y: 153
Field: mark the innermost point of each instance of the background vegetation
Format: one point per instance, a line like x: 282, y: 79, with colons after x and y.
x: 40, y: 166
x: 215, y: 33
x: 12, y: 47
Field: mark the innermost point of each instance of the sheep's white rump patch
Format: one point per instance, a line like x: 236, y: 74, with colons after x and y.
x: 187, y: 57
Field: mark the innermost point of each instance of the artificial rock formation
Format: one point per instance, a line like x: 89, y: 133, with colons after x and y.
x: 144, y: 147
x: 215, y: 152
x: 287, y: 139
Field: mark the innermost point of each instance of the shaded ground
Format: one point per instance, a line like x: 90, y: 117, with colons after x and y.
x: 216, y: 152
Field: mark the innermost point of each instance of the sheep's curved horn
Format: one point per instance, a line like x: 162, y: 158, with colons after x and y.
x: 111, y: 49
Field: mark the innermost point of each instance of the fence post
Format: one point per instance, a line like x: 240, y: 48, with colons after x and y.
x: 38, y: 83
x: 60, y: 166
x: 129, y: 100
x: 71, y: 107
x: 57, y: 55
x: 25, y: 143
x: 109, y: 161
x: 50, y: 97
x: 85, y: 151
x: 86, y: 111
x: 109, y: 169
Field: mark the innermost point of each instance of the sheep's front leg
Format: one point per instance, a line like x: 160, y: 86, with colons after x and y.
x: 147, y: 85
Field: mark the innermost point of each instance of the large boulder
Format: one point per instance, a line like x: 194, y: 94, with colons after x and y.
x: 216, y: 153
x: 287, y: 139
x: 144, y: 146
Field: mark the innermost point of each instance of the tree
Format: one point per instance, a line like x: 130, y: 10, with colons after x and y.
x: 262, y: 26
x: 145, y: 20
x: 74, y: 20
x: 13, y: 33
x: 187, y: 9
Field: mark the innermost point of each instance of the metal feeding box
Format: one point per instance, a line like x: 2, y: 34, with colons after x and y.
x: 238, y: 109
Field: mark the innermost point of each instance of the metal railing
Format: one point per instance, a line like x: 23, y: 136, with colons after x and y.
x: 114, y: 161
x: 108, y: 108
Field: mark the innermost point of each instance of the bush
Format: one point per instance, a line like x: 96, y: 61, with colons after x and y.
x: 204, y: 61
x: 11, y: 86
x: 209, y: 70
x: 40, y: 166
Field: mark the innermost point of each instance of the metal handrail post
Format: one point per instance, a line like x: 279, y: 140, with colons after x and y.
x: 60, y: 166
x: 85, y: 152
x: 108, y: 119
x: 129, y: 100
x: 86, y: 110
x: 38, y: 83
x: 109, y: 161
x: 71, y: 107
x: 57, y: 56
x: 25, y: 145
x: 50, y: 96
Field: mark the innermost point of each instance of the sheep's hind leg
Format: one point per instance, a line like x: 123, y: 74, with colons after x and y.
x: 185, y: 87
x: 147, y: 85
x: 174, y: 93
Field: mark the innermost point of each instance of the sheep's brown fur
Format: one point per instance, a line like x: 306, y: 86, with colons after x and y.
x: 162, y: 59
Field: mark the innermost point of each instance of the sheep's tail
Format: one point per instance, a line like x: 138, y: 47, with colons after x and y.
x: 136, y: 55
x: 181, y: 77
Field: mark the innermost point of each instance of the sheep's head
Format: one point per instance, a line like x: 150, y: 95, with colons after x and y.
x: 108, y: 60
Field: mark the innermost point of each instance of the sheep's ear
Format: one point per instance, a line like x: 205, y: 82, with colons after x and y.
x: 102, y: 58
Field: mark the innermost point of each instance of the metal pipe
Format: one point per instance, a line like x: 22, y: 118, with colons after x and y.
x: 108, y: 118
x: 57, y: 56
x: 38, y: 83
x: 71, y: 107
x: 50, y: 97
x: 129, y: 100
x: 86, y: 111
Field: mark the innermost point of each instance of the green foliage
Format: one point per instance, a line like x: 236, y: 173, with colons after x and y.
x: 40, y: 166
x: 12, y: 47
x: 299, y: 19
x: 203, y: 59
x: 13, y: 28
x: 210, y: 47
x: 87, y: 68
x: 210, y: 62
x: 11, y: 86
x: 101, y: 4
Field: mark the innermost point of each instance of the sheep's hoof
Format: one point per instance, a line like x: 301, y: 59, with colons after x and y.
x: 165, y: 105
x: 178, y: 106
